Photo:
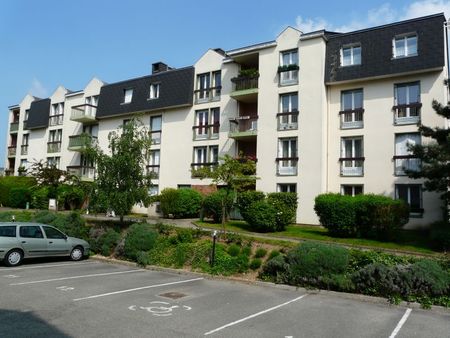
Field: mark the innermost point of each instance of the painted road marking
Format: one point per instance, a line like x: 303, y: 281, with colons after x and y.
x: 253, y: 316
x: 401, y: 323
x: 137, y: 289
x: 160, y: 309
x: 77, y: 277
x: 11, y: 276
x: 65, y: 288
x: 46, y: 266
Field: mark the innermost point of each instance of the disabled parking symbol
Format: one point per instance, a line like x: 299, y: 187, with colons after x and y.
x: 160, y: 309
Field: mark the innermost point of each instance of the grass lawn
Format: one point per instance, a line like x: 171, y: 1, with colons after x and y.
x: 407, y: 240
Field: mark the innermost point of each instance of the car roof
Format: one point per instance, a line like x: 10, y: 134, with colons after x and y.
x: 21, y: 223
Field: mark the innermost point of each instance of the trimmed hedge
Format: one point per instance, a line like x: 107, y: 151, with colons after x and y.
x: 180, y: 203
x: 261, y: 216
x: 7, y: 183
x: 362, y: 216
x: 246, y: 198
x: 19, y: 197
x: 212, y: 205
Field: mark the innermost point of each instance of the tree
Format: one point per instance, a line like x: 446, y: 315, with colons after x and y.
x: 48, y: 175
x: 435, y: 157
x: 121, y: 179
x: 235, y: 174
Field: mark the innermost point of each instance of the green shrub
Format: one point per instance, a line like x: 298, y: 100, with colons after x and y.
x: 311, y: 261
x: 255, y: 264
x: 273, y: 254
x: 275, y: 269
x: 180, y: 203
x: 261, y: 216
x: 225, y: 264
x: 20, y: 216
x: 10, y: 182
x: 184, y: 235
x: 234, y: 250
x: 212, y: 205
x: 70, y: 196
x: 260, y: 253
x: 71, y: 224
x: 19, y: 197
x: 360, y: 259
x: 45, y: 216
x: 440, y: 235
x: 107, y: 242
x: 140, y: 237
x: 246, y: 250
x: 284, y: 215
x: 289, y: 199
x: 246, y: 198
x: 39, y: 198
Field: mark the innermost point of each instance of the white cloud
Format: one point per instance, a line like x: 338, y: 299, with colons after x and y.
x: 38, y: 89
x: 377, y: 16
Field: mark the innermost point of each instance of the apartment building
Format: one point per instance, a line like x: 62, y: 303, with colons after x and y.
x: 318, y: 111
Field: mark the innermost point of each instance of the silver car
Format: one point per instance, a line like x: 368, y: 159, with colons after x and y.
x: 26, y: 240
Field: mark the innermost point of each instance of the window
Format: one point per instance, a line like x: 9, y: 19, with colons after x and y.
x: 352, y: 159
x: 214, y: 154
x: 352, y: 109
x: 155, y: 129
x: 91, y: 105
x: 405, y: 45
x: 351, y: 190
x: 205, y: 156
x: 127, y: 95
x: 207, y: 124
x: 288, y: 67
x: 411, y: 194
x: 217, y: 84
x: 351, y: 55
x: 203, y: 84
x: 287, y: 187
x: 289, y: 57
x: 287, y: 156
x: 54, y: 161
x: 56, y: 114
x: 8, y: 231
x: 30, y: 231
x: 288, y: 115
x: 403, y: 159
x: 209, y: 86
x: 407, y: 103
x: 154, y: 90
x: 52, y: 233
x: 153, y: 190
x: 54, y: 141
x: 153, y: 165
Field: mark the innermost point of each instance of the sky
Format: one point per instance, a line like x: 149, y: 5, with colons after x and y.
x: 47, y: 43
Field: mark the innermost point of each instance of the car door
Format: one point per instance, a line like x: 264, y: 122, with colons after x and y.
x: 32, y: 240
x: 57, y: 243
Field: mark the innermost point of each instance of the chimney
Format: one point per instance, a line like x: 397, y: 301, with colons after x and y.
x: 159, y: 67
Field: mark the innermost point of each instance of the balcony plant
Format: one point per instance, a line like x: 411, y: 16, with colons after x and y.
x: 247, y: 73
x: 287, y: 68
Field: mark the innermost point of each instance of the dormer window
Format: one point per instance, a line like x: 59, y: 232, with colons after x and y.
x: 154, y: 91
x: 351, y: 55
x: 127, y: 95
x: 405, y: 46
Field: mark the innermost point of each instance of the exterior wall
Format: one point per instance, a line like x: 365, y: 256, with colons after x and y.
x: 379, y: 137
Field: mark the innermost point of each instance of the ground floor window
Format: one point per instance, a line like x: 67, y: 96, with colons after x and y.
x: 411, y: 194
x: 352, y: 190
x: 287, y: 187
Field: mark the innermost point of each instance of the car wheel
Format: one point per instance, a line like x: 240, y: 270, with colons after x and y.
x: 14, y: 257
x: 77, y: 253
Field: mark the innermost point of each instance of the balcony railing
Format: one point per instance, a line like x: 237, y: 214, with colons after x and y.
x: 14, y: 127
x: 288, y: 74
x: 24, y: 149
x: 207, y: 94
x: 81, y: 142
x: 245, y: 83
x: 287, y: 120
x: 206, y: 132
x: 12, y: 151
x: 56, y: 120
x: 85, y: 173
x: 403, y: 163
x: 407, y: 113
x: 54, y: 147
x: 287, y: 166
x: 352, y: 166
x: 83, y: 113
x: 153, y: 171
x: 197, y: 166
x: 156, y: 136
x: 243, y: 126
x: 351, y: 119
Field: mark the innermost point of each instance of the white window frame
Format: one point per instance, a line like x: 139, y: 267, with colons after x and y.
x: 289, y: 77
x: 154, y: 91
x: 402, y: 141
x: 404, y: 38
x: 156, y: 133
x: 349, y: 118
x: 127, y: 95
x: 352, y: 167
x: 288, y: 167
x: 286, y: 122
x: 352, y: 55
x: 288, y: 185
x: 353, y: 188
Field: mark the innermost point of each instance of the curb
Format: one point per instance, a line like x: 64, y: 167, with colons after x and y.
x: 344, y: 295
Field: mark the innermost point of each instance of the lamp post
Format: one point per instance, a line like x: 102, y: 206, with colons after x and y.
x: 213, y: 253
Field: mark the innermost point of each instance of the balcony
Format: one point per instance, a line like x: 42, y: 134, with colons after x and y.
x: 288, y: 120
x: 81, y: 142
x: 352, y: 166
x: 207, y: 95
x: 288, y: 75
x: 403, y: 163
x: 84, y: 113
x: 245, y: 89
x: 243, y: 127
x: 86, y: 174
x: 287, y: 166
x: 54, y: 147
x: 24, y: 149
x: 56, y: 120
x: 12, y: 151
x: 352, y: 119
x: 14, y: 127
x: 198, y: 166
x: 206, y: 132
x: 407, y: 113
x: 153, y: 171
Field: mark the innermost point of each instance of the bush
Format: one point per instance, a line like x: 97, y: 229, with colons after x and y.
x: 234, y: 250
x: 108, y: 242
x: 255, y: 264
x: 246, y: 198
x: 19, y: 197
x: 70, y: 197
x: 311, y: 261
x: 260, y: 253
x: 20, y: 216
x: 225, y: 264
x: 440, y: 235
x: 289, y: 199
x: 10, y: 182
x: 140, y: 237
x: 247, y: 250
x: 184, y: 235
x: 71, y: 224
x: 212, y: 205
x: 261, y: 216
x: 180, y: 203
x: 273, y: 254
x: 39, y: 198
x: 275, y: 269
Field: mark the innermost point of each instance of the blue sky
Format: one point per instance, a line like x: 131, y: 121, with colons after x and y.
x: 47, y: 43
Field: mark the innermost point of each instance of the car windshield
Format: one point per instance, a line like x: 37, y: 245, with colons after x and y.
x: 8, y: 231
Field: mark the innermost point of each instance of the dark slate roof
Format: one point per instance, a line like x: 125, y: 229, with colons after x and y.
x: 39, y: 114
x: 175, y: 89
x: 376, y: 50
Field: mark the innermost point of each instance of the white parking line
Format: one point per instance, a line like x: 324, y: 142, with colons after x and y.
x: 253, y: 316
x: 137, y: 289
x: 401, y: 323
x: 77, y: 277
x: 46, y: 266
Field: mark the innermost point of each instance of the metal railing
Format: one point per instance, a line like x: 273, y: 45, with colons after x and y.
x: 352, y: 118
x: 201, y: 165
x: 244, y: 124
x: 352, y: 166
x: 206, y: 132
x: 82, y: 141
x: 207, y: 94
x: 402, y: 163
x: 13, y: 127
x: 287, y: 166
x: 56, y: 120
x: 244, y: 83
x: 288, y: 77
x: 83, y: 111
x: 153, y: 170
x: 288, y: 120
x: 12, y: 151
x: 54, y: 147
x: 407, y: 113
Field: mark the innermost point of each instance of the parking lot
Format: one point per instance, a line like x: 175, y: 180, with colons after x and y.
x: 97, y: 299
